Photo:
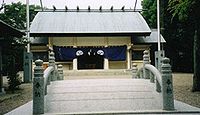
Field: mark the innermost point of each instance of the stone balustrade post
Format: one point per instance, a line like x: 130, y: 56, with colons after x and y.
x: 141, y: 74
x: 134, y: 70
x: 53, y: 76
x: 60, y: 72
x: 145, y: 61
x: 167, y: 85
x: 38, y: 88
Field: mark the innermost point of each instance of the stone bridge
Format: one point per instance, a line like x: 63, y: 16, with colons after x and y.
x: 150, y: 92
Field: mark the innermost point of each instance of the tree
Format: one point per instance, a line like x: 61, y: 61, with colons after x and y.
x: 175, y: 32
x: 15, y: 15
x: 188, y: 11
x: 149, y: 12
x: 13, y: 59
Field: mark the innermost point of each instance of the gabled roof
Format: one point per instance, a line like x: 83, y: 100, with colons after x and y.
x: 7, y: 30
x: 89, y: 24
x: 149, y: 39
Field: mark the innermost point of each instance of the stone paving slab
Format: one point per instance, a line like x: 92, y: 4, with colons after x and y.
x: 100, y: 82
x: 97, y: 73
x: 82, y: 106
x: 99, y: 96
x: 26, y: 109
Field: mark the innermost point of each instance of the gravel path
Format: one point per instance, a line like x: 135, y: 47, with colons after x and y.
x: 182, y: 92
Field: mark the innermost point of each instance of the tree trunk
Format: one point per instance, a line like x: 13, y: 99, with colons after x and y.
x: 1, y: 76
x: 196, y: 51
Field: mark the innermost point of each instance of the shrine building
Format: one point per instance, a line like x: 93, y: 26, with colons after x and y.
x: 91, y: 39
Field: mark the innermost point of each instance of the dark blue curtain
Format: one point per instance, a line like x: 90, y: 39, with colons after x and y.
x: 114, y: 53
x: 64, y: 53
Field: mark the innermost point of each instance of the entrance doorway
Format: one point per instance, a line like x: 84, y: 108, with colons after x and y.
x: 91, y: 61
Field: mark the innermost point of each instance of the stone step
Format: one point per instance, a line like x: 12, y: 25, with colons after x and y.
x: 100, y: 82
x: 137, y: 112
x: 102, y: 95
x: 111, y: 72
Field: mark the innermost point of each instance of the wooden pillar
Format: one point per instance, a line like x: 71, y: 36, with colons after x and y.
x: 75, y: 61
x: 75, y: 64
x: 128, y: 58
x: 106, y: 63
x: 50, y: 41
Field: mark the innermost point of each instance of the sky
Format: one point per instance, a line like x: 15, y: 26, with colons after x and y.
x: 83, y: 4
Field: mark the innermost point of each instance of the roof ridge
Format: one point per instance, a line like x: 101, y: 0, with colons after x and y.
x: 90, y: 10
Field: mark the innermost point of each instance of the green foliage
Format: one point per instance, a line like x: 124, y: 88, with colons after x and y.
x: 181, y: 8
x: 15, y: 14
x: 150, y: 12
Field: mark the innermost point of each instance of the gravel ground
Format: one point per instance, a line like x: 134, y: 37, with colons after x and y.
x: 182, y: 92
x: 11, y: 101
x: 182, y: 89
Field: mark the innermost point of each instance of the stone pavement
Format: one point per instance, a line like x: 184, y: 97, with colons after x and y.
x: 101, y: 96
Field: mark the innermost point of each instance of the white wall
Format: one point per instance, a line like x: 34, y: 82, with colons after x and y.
x: 117, y: 64
x: 62, y: 41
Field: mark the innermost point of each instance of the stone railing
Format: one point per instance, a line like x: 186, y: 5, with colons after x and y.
x: 42, y: 78
x: 163, y: 79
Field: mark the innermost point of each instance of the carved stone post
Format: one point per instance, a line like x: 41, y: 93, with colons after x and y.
x: 38, y: 88
x: 167, y: 88
x: 141, y: 74
x: 145, y: 61
x: 53, y: 77
x: 60, y: 72
x: 158, y: 58
x: 134, y: 70
x: 28, y: 56
x: 158, y: 86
